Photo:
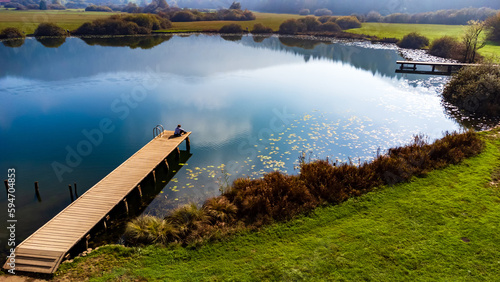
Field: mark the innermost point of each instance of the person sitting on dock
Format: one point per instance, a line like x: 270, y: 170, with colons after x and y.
x: 179, y: 131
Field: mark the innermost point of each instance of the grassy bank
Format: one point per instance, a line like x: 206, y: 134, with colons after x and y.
x: 28, y: 21
x: 431, y: 31
x: 439, y: 227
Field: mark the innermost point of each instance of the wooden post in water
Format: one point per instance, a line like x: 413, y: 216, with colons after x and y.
x: 76, y: 193
x: 177, y: 154
x: 71, y: 192
x: 87, y: 238
x: 6, y: 182
x: 188, y: 144
x: 154, y: 176
x: 140, y: 191
x: 126, y: 205
x: 37, y: 192
x: 166, y: 163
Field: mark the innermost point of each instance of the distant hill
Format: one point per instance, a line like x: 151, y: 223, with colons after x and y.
x: 341, y: 7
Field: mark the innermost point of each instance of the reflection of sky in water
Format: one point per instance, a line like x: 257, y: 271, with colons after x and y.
x: 252, y: 107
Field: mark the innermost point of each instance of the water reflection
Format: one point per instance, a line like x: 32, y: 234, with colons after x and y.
x: 232, y: 37
x: 143, y: 42
x: 51, y: 42
x: 253, y: 107
x: 13, y: 43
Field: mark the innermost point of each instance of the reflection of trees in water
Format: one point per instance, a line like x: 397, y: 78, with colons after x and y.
x: 469, y: 120
x: 232, y: 37
x: 13, y: 43
x: 143, y: 42
x: 51, y: 42
x: 260, y: 38
x: 381, y: 61
x: 301, y: 43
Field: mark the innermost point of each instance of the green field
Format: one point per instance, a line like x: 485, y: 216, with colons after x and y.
x: 431, y: 31
x: 28, y: 21
x: 442, y: 227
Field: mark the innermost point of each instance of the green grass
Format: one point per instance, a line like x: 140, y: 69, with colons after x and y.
x: 431, y: 31
x: 443, y: 227
x: 267, y: 19
x: 28, y: 21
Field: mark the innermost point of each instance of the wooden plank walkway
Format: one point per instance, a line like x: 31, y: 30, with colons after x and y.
x: 436, y: 67
x: 44, y: 250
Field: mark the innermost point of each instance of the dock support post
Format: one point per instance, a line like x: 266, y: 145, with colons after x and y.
x: 188, y: 144
x: 71, y: 192
x: 177, y: 154
x: 105, y: 221
x: 76, y: 193
x: 37, y: 192
x: 154, y: 176
x: 6, y: 182
x: 87, y: 238
x: 166, y: 163
x: 140, y: 191
x: 126, y: 205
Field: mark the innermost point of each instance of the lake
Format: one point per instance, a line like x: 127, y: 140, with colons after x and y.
x: 254, y: 105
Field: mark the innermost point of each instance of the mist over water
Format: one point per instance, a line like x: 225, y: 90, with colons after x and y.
x: 253, y: 107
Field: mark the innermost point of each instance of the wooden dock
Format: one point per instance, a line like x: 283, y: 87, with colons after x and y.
x: 432, y: 68
x: 43, y: 251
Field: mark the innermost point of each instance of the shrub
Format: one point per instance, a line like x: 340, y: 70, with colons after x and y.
x: 475, y: 89
x: 373, y: 16
x: 11, y: 32
x: 110, y: 26
x: 149, y: 21
x: 98, y: 8
x: 220, y: 210
x: 290, y: 26
x: 183, y: 16
x: 330, y: 27
x: 323, y: 12
x: 231, y: 28
x: 348, y: 22
x: 493, y: 25
x: 187, y: 219
x: 413, y: 41
x: 304, y: 12
x: 446, y: 47
x: 149, y: 229
x: 56, y: 7
x: 260, y: 28
x: 49, y: 29
x: 309, y: 23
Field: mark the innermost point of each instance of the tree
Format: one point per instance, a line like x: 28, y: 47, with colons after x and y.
x: 235, y: 6
x: 493, y: 26
x: 43, y: 5
x: 471, y: 40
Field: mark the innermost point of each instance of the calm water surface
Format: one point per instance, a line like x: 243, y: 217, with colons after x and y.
x: 253, y: 105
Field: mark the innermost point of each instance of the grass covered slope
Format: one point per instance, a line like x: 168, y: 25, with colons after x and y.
x: 440, y: 227
x: 28, y: 21
x: 431, y: 31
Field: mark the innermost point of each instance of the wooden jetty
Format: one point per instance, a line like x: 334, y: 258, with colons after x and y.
x: 43, y: 251
x: 435, y: 67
